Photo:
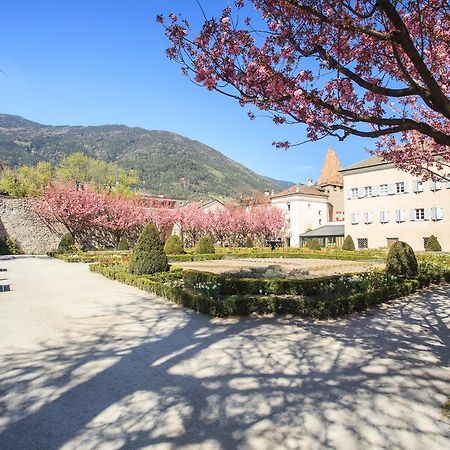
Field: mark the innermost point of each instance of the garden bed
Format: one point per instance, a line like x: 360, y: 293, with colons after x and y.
x: 321, y: 298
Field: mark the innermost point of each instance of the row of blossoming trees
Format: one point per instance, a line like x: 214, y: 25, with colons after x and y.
x: 101, y: 219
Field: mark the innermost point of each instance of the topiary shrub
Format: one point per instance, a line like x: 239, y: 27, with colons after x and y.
x: 9, y: 246
x: 67, y: 244
x: 249, y: 242
x: 348, y: 244
x: 148, y: 254
x: 174, y: 246
x: 313, y: 244
x: 123, y: 244
x: 433, y: 244
x: 205, y: 245
x: 401, y: 260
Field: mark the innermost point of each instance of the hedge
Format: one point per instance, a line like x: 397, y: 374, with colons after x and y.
x: 319, y: 298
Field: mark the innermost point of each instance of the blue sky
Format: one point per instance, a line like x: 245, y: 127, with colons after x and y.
x: 101, y: 62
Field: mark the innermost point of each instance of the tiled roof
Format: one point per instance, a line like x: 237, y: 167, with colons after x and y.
x: 326, y: 230
x: 369, y: 162
x: 330, y: 174
x: 301, y: 189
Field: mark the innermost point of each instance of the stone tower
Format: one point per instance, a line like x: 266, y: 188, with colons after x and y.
x: 332, y: 182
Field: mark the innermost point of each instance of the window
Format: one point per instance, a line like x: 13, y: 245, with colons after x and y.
x: 417, y: 186
x: 400, y: 188
x: 288, y: 206
x: 420, y: 213
x: 368, y: 217
x: 400, y: 215
x: 383, y: 189
x: 437, y: 214
x: 435, y: 185
x: 320, y: 221
x: 363, y: 243
x: 354, y: 218
x: 425, y: 242
x: 391, y: 241
x: 368, y: 191
x: 384, y: 216
x: 354, y: 193
x: 320, y: 212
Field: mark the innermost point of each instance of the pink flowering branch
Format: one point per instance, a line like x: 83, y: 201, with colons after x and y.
x: 375, y: 69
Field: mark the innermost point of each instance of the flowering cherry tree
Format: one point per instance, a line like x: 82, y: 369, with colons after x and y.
x: 76, y: 209
x: 229, y: 225
x: 90, y: 215
x: 374, y: 68
x: 120, y: 216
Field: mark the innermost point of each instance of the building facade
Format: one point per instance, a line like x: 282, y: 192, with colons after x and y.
x: 306, y: 208
x: 384, y: 204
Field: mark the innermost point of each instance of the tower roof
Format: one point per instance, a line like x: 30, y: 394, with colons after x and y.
x: 330, y: 174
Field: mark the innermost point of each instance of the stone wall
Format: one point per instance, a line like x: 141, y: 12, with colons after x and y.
x: 18, y: 221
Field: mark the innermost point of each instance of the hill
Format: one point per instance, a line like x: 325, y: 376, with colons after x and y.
x: 167, y: 163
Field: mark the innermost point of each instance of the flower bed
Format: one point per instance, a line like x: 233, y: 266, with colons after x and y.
x: 322, y: 298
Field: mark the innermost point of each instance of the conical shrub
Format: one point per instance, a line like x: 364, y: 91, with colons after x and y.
x: 174, y: 246
x: 148, y: 254
x: 348, y: 244
x: 433, y: 244
x: 205, y: 245
x: 123, y: 244
x: 67, y: 244
x: 401, y: 260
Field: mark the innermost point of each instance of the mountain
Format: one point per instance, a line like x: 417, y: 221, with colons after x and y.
x: 281, y: 184
x: 168, y: 164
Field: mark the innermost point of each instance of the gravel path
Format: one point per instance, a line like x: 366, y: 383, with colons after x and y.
x: 87, y: 363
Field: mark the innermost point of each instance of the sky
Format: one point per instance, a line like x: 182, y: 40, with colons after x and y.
x: 102, y: 62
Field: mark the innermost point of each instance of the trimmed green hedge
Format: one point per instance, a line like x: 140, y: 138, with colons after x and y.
x: 319, y: 298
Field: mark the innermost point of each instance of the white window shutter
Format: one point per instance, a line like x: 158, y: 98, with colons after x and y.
x: 349, y: 194
x: 397, y: 215
x: 427, y: 214
x: 439, y: 213
x: 448, y: 181
x: 370, y: 217
x: 433, y: 213
x: 391, y: 189
x: 415, y: 186
x: 412, y: 215
x: 420, y: 187
x: 356, y: 217
x: 406, y: 186
x: 438, y: 185
x: 360, y: 192
x: 386, y: 216
x: 432, y: 185
x: 402, y: 215
x: 375, y: 190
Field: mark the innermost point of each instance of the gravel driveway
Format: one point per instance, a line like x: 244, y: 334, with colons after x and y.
x: 87, y: 363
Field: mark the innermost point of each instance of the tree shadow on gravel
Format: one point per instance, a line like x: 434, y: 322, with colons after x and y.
x: 155, y: 375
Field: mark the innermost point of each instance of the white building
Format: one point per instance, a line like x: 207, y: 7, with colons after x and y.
x: 384, y: 204
x: 306, y: 208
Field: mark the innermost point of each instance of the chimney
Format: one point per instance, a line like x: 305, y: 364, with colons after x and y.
x: 309, y: 182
